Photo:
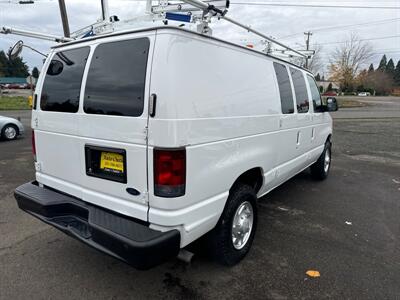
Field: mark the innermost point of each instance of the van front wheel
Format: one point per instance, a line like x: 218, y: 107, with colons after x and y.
x: 234, y: 233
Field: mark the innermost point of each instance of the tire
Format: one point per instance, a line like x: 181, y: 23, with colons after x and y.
x: 227, y: 249
x: 320, y: 169
x: 9, y: 132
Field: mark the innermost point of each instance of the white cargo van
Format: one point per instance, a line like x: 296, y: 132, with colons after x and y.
x: 146, y: 140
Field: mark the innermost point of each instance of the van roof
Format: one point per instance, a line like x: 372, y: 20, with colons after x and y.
x: 178, y: 29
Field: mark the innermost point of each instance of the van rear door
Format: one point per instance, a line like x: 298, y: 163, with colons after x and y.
x: 98, y: 151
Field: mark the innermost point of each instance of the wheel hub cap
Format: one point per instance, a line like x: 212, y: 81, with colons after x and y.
x: 242, y: 225
x: 10, y: 132
x: 327, y: 161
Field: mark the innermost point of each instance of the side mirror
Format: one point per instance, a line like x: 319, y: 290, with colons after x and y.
x: 331, y: 104
x: 15, y: 50
x: 55, y: 67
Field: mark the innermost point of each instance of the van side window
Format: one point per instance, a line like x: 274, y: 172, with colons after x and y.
x: 62, y: 84
x: 116, y: 79
x: 300, y: 90
x: 316, y: 96
x: 285, y: 89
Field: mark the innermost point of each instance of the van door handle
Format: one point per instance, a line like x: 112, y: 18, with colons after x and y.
x: 298, y: 138
x: 152, y: 105
x: 133, y: 191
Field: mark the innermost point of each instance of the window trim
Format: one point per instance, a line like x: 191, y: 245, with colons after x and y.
x: 310, y: 94
x: 43, y: 79
x: 294, y: 90
x: 291, y: 87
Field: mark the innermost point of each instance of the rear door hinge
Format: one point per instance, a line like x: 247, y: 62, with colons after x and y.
x: 146, y: 197
x: 36, y: 122
x: 146, y: 132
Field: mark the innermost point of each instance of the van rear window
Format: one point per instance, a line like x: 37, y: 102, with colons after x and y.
x: 62, y: 84
x: 116, y: 79
x: 285, y: 89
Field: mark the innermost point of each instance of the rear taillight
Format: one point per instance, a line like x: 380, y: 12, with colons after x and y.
x: 169, y: 172
x: 33, y: 145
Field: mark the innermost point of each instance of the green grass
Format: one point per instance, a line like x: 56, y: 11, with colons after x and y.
x: 13, y: 103
x: 348, y: 103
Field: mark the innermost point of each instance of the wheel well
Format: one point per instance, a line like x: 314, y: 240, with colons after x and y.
x: 252, y: 177
x: 329, y: 139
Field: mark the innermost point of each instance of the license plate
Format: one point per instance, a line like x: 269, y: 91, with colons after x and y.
x: 106, y: 163
x: 112, y: 162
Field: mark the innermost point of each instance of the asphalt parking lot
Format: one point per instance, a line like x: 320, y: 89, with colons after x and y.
x: 347, y: 228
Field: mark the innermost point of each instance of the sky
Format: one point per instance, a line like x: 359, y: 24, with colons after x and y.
x: 330, y: 26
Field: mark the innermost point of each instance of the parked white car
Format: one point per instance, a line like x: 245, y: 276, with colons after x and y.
x: 364, y: 94
x: 148, y: 140
x: 10, y: 128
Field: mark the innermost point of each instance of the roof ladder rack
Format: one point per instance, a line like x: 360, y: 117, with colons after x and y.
x: 199, y: 12
x: 206, y: 7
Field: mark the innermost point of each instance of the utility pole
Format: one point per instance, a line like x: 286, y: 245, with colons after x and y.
x: 308, y: 34
x: 64, y: 18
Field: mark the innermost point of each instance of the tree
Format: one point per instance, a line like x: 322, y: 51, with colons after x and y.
x: 347, y: 60
x: 390, y: 68
x: 397, y: 74
x: 383, y: 64
x: 380, y: 82
x: 321, y: 89
x: 17, y: 68
x: 35, y: 73
x: 362, y: 79
x: 315, y: 63
x: 371, y: 68
x: 318, y: 77
x: 13, y: 67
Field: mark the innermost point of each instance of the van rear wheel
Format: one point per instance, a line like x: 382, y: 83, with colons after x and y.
x: 234, y: 233
x: 320, y: 169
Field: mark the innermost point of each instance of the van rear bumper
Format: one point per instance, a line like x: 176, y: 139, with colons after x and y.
x: 127, y: 239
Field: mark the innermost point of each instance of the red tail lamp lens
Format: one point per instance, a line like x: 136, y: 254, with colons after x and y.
x: 169, y: 172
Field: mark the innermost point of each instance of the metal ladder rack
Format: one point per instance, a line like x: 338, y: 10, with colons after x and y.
x: 197, y: 12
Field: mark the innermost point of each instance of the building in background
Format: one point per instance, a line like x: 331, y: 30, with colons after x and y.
x: 13, y: 82
x: 326, y: 84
